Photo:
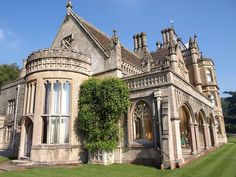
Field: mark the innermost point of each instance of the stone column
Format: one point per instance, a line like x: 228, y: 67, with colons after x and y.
x: 22, y: 140
x: 176, y: 137
x: 216, y: 142
x: 206, y: 136
x: 28, y: 99
x: 197, y: 137
x: 193, y: 139
x: 33, y: 87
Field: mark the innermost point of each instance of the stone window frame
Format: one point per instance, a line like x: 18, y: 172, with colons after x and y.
x: 66, y: 42
x: 30, y: 97
x: 209, y: 75
x: 8, y: 133
x: 48, y: 117
x: 11, y: 107
x: 142, y: 140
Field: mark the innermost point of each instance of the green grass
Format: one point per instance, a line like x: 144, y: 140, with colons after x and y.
x: 3, y: 159
x: 221, y: 163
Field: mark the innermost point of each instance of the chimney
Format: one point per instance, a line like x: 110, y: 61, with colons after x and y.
x: 139, y: 41
x: 158, y: 44
x: 135, y: 37
x: 163, y: 32
x: 144, y: 40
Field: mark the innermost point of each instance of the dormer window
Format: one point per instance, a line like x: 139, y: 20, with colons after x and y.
x: 67, y: 42
x: 209, y: 75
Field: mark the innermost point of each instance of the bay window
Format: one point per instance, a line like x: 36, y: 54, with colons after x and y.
x: 56, y: 112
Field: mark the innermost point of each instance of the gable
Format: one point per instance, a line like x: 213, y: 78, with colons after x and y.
x: 81, y: 42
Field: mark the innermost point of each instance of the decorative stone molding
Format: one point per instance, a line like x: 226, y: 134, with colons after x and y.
x: 129, y: 70
x: 58, y: 59
x: 147, y: 81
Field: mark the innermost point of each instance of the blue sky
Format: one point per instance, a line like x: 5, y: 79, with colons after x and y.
x: 28, y: 25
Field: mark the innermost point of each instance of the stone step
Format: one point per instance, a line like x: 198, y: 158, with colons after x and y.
x: 22, y: 162
x: 25, y: 158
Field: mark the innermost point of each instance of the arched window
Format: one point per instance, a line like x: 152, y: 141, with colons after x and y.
x: 209, y: 75
x: 143, y: 125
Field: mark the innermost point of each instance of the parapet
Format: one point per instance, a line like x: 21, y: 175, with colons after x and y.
x: 58, y: 60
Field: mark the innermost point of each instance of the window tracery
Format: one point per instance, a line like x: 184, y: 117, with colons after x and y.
x: 143, y: 126
x: 67, y: 42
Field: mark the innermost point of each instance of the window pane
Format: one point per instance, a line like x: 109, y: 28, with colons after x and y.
x: 47, y: 97
x: 64, y: 133
x: 56, y: 98
x: 54, y: 129
x: 45, y: 129
x: 65, y: 104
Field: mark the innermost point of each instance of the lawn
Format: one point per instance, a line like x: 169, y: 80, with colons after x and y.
x: 3, y: 159
x: 221, y: 163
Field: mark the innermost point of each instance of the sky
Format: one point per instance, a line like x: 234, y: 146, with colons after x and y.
x: 29, y: 25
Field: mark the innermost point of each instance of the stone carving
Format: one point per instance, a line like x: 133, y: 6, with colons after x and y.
x: 46, y: 60
x: 147, y: 81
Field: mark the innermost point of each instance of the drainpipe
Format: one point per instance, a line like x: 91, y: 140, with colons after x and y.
x: 15, y: 116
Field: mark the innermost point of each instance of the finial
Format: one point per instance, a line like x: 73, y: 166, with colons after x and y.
x: 69, y: 6
x: 172, y: 23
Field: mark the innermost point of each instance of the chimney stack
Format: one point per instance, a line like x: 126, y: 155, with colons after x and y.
x: 135, y: 37
x: 158, y: 44
x: 144, y: 40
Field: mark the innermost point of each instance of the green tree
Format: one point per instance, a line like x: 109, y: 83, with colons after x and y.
x: 8, y: 73
x: 229, y: 109
x: 101, y: 103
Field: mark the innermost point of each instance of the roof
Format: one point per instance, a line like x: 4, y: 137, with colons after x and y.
x: 103, y: 40
x: 160, y: 54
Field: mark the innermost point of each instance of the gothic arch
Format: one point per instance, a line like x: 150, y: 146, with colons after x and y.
x: 185, y: 121
x: 201, y: 122
x: 28, y: 125
x: 143, y: 129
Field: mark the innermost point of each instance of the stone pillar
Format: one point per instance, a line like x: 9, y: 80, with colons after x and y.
x: 216, y: 142
x: 22, y: 140
x: 197, y: 138
x: 193, y: 139
x: 25, y: 100
x: 33, y: 87
x: 28, y: 98
x: 176, y: 137
x: 209, y: 136
x: 206, y: 136
x: 166, y: 140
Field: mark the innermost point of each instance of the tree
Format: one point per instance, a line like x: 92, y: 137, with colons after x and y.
x: 8, y: 73
x: 229, y: 109
x: 101, y: 103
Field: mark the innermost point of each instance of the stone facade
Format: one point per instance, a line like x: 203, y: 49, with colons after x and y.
x: 175, y: 110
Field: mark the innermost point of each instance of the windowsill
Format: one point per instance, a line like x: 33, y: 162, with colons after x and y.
x: 54, y: 146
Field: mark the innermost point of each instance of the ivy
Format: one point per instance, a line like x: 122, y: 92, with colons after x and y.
x: 101, y: 104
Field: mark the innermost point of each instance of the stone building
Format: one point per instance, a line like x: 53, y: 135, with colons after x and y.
x: 175, y: 112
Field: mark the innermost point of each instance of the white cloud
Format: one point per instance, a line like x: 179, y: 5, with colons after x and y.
x: 8, y: 39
